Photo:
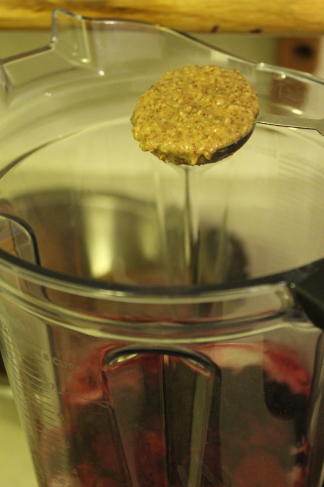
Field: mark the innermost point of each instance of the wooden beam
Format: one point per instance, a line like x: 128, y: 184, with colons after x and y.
x: 267, y: 16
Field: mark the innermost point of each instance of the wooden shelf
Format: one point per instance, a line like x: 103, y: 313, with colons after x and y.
x: 269, y: 16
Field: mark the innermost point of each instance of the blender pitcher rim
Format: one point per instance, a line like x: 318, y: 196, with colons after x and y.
x: 303, y: 76
x: 69, y: 283
x: 158, y: 26
x: 256, y: 65
x: 147, y: 24
x: 306, y: 77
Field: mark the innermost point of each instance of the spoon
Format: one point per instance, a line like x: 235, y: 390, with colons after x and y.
x: 266, y: 119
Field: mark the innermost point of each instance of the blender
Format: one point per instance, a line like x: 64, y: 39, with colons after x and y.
x: 160, y: 326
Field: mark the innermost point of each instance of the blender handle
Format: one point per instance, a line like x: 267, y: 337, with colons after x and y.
x: 310, y: 295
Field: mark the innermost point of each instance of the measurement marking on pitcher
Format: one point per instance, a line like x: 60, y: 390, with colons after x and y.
x: 61, y: 454
x: 60, y: 451
x: 14, y: 350
x: 40, y: 396
x: 23, y: 393
x: 61, y: 363
x: 23, y: 406
x: 58, y: 464
x: 48, y: 452
x: 50, y: 430
x: 47, y: 421
x: 35, y: 394
x: 22, y: 367
x: 30, y: 346
x: 36, y: 381
x: 44, y: 355
x: 20, y: 373
x: 4, y: 327
x: 25, y: 370
x: 30, y: 407
x: 36, y: 413
x: 58, y: 440
x: 51, y: 448
x: 51, y: 436
x: 17, y: 374
x: 9, y: 331
x: 31, y: 432
x: 16, y: 355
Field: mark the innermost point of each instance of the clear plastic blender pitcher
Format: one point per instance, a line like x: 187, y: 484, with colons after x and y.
x: 160, y: 326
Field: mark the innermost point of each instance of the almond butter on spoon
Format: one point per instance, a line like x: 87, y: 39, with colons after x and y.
x: 196, y: 115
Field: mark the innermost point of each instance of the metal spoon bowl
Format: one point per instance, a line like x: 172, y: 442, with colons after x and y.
x: 226, y: 151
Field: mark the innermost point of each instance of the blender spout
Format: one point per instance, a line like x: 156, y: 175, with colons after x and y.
x: 82, y: 41
x: 70, y: 36
x: 74, y: 44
